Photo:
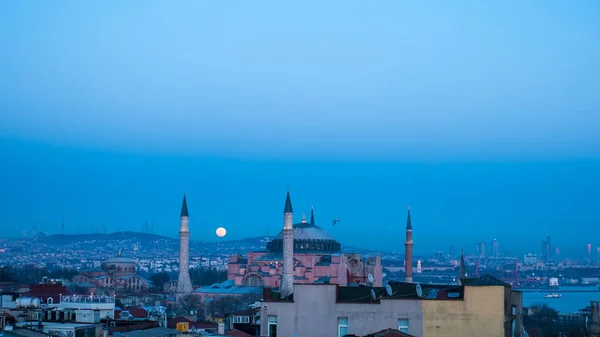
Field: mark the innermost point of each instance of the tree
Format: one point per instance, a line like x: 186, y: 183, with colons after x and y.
x: 188, y: 303
x: 542, y: 312
x: 207, y: 276
x: 159, y: 279
x: 228, y: 304
x: 5, y: 275
x: 63, y: 274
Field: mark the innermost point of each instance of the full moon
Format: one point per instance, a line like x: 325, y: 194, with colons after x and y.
x: 221, y: 232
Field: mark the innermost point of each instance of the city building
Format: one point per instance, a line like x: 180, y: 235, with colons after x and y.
x: 67, y: 329
x: 88, y: 309
x: 546, y: 249
x: 314, y: 256
x: 247, y: 321
x: 483, y: 305
x: 481, y: 248
x: 530, y: 259
x: 116, y: 275
x: 495, y: 248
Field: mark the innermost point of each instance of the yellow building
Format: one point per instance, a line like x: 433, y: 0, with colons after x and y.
x: 487, y: 305
x: 478, y: 307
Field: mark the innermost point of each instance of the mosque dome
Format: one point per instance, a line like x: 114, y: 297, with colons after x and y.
x: 119, y: 259
x: 308, y: 238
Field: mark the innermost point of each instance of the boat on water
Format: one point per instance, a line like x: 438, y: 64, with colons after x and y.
x: 553, y: 295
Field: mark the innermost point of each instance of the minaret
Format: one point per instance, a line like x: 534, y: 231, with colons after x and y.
x: 312, y: 216
x: 287, y: 281
x: 463, y: 268
x: 408, y: 244
x: 184, y: 284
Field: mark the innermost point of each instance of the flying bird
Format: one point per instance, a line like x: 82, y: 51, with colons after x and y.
x: 336, y: 221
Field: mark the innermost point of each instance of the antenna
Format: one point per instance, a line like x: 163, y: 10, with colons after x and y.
x: 373, y: 295
x: 388, y: 290
x: 370, y: 278
x: 419, y: 290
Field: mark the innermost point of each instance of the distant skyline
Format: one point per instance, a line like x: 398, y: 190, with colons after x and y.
x: 459, y: 203
x: 483, y: 116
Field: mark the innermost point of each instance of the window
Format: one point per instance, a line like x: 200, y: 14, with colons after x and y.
x: 403, y: 325
x: 241, y: 319
x: 272, y: 332
x: 342, y: 326
x: 513, y: 311
x: 253, y: 280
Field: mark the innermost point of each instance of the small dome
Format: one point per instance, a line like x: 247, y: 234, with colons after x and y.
x: 119, y: 259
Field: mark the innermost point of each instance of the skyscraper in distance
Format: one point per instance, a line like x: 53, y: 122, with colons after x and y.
x: 546, y: 249
x: 495, y: 248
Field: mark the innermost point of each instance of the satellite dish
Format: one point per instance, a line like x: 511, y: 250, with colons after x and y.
x: 373, y: 295
x: 419, y: 290
x: 388, y: 289
x: 370, y: 277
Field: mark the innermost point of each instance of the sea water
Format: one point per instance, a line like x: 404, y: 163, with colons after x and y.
x: 573, y: 298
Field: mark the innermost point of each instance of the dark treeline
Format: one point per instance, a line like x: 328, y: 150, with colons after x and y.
x: 199, y: 276
x: 206, y: 276
x: 32, y: 275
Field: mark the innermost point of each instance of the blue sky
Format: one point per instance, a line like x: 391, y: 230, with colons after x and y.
x: 465, y: 111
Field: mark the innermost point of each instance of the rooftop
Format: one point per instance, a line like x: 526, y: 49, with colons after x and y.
x: 229, y: 287
x: 400, y: 291
x: 24, y: 333
x: 236, y: 333
x: 484, y: 281
x: 154, y: 332
x: 389, y: 333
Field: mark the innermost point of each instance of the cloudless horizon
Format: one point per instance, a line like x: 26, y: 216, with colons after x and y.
x: 482, y: 116
x: 459, y: 203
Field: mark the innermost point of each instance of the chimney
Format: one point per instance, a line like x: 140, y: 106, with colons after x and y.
x: 594, y: 322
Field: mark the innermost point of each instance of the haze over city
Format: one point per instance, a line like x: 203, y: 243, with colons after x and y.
x: 484, y: 119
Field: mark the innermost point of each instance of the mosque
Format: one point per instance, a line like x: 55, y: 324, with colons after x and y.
x: 117, y: 274
x: 314, y: 255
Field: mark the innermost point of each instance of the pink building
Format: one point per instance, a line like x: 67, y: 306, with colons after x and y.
x: 318, y: 258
